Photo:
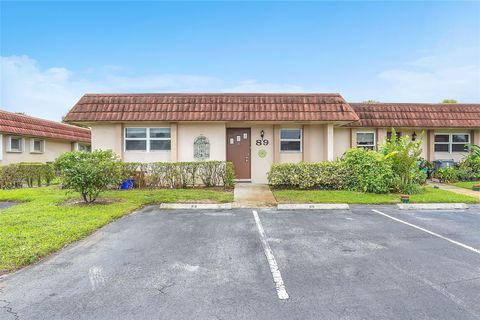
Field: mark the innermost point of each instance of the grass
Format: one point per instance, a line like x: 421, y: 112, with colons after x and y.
x: 43, y: 223
x: 466, y: 184
x: 342, y: 196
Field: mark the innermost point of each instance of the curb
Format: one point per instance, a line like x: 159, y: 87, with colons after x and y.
x: 313, y: 206
x: 199, y: 206
x: 431, y: 206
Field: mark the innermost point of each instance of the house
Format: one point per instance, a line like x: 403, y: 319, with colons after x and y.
x: 256, y: 130
x: 28, y: 139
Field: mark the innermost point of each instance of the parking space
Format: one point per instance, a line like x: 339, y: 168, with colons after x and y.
x: 194, y: 264
x: 358, y: 264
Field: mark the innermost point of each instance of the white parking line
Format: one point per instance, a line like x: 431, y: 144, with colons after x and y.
x: 277, y: 277
x: 429, y: 232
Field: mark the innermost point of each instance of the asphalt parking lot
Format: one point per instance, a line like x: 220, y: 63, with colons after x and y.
x: 192, y: 264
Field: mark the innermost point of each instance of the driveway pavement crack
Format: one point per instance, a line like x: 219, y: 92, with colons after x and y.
x: 445, y: 284
x: 6, y: 306
x: 164, y: 287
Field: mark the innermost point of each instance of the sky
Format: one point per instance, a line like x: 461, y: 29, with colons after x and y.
x: 54, y: 52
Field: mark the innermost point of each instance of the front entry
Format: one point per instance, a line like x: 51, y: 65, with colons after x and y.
x: 238, y: 151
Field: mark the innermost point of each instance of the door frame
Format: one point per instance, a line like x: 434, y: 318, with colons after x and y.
x: 249, y: 148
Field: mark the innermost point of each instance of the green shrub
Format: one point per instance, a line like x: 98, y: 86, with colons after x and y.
x: 318, y: 175
x: 404, y: 157
x: 89, y: 173
x: 370, y: 172
x: 469, y: 167
x: 30, y: 174
x: 447, y: 174
x: 180, y: 174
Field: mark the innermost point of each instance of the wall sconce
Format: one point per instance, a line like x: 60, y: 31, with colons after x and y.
x: 414, y: 136
x: 262, y: 133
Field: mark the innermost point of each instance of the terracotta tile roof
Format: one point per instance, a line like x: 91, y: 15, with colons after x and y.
x: 18, y: 124
x: 211, y: 107
x: 416, y: 115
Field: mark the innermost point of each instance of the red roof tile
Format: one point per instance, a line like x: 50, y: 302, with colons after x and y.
x: 14, y: 123
x: 416, y: 115
x: 211, y: 107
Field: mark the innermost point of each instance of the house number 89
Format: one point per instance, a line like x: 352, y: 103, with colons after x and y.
x: 260, y: 142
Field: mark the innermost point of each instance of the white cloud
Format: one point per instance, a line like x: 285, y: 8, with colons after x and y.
x: 452, y: 74
x: 50, y: 93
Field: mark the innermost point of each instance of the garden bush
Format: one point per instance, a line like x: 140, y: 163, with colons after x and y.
x: 318, y: 175
x: 466, y: 170
x: 447, y: 174
x: 180, y: 174
x: 404, y: 157
x: 469, y: 167
x: 89, y: 173
x: 369, y: 170
x: 29, y: 174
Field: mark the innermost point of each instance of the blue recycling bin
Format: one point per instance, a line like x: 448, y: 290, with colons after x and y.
x: 443, y: 164
x: 127, y: 184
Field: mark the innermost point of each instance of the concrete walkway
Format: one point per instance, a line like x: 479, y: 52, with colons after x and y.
x: 467, y: 192
x: 250, y: 195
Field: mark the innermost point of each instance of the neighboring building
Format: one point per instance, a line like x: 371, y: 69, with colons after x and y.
x: 28, y: 139
x: 255, y: 130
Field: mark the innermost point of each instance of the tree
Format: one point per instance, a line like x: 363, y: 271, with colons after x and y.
x: 89, y: 173
x: 371, y: 101
x: 449, y: 101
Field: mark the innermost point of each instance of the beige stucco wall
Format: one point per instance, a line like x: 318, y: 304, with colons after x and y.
x: 107, y: 137
x: 214, y: 132
x: 52, y: 149
x: 341, y: 140
x: 476, y: 136
x: 260, y: 166
x: 314, y: 143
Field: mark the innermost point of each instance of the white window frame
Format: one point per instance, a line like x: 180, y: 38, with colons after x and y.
x: 32, y: 145
x: 450, y: 142
x: 374, y: 145
x: 22, y: 144
x: 1, y: 147
x: 300, y: 140
x: 147, y: 139
x: 78, y: 144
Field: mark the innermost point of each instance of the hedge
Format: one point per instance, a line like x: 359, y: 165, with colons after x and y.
x: 21, y: 174
x: 318, y: 175
x: 358, y: 170
x: 180, y: 174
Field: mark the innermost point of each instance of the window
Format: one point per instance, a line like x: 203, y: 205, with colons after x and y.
x: 84, y: 147
x: 15, y: 144
x: 454, y: 142
x: 291, y: 140
x: 442, y: 143
x: 459, y: 142
x: 37, y: 146
x: 160, y: 139
x: 366, y: 140
x: 147, y: 139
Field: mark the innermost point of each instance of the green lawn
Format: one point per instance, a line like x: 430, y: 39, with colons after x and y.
x: 44, y: 223
x: 466, y: 184
x: 352, y: 197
